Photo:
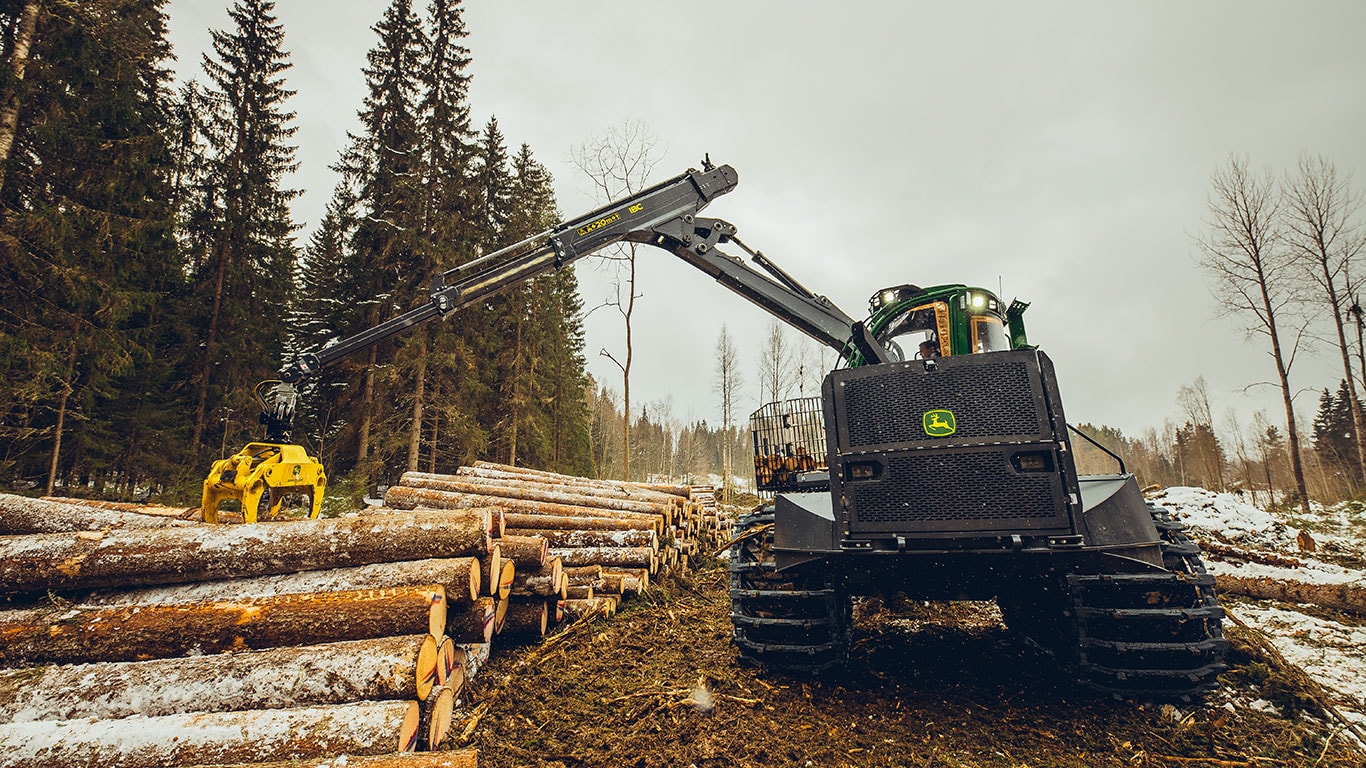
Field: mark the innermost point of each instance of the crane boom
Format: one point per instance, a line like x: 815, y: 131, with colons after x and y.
x: 664, y: 216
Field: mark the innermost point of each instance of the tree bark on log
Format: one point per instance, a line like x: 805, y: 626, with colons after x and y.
x: 184, y: 514
x: 525, y: 620
x: 1344, y: 597
x: 460, y: 577
x: 683, y: 491
x: 436, y: 716
x: 531, y: 491
x: 21, y: 515
x: 525, y: 551
x: 472, y: 624
x: 491, y: 570
x: 568, y: 484
x: 86, y: 560
x: 591, y: 538
x: 579, y: 592
x: 633, y: 580
x: 598, y: 606
x: 630, y: 557
x: 206, y: 738
x: 401, y: 497
x: 381, y: 669
x: 454, y: 758
x: 517, y: 520
x: 544, y: 581
x: 81, y: 635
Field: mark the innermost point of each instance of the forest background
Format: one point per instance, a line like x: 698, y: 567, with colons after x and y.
x: 153, y: 274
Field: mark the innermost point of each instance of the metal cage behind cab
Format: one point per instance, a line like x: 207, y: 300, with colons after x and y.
x: 789, y: 438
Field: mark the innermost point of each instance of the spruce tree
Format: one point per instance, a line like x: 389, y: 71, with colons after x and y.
x: 85, y: 250
x: 383, y: 164
x: 243, y: 220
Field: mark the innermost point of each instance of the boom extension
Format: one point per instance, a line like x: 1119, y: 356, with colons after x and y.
x: 664, y: 216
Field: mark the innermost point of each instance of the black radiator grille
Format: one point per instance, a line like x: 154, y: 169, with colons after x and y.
x: 989, y: 401
x: 935, y: 486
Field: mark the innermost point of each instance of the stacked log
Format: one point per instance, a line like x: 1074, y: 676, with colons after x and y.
x: 168, y: 642
x: 228, y: 636
x: 632, y: 529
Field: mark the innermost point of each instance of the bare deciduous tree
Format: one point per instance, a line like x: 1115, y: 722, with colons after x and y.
x: 775, y: 362
x: 1246, y: 253
x: 1324, y: 237
x: 728, y: 383
x: 619, y: 162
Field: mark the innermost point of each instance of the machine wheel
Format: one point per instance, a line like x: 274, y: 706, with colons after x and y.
x: 1146, y: 636
x: 792, y: 621
x: 1155, y: 636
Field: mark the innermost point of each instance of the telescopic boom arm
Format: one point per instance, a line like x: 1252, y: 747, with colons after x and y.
x: 664, y: 216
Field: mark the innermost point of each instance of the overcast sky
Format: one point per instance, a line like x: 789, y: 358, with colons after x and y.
x: 1059, y: 150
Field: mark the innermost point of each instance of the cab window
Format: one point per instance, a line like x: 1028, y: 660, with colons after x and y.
x: 989, y: 334
x: 904, y: 336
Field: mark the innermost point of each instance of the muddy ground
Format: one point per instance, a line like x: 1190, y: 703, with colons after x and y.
x: 932, y: 685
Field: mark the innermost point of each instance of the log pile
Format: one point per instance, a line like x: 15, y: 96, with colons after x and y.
x: 137, y: 639
x: 572, y: 539
x: 135, y: 635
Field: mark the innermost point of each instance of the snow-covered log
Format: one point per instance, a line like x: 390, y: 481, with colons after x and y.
x: 23, y: 515
x: 334, y: 673
x: 128, y: 558
x: 131, y: 633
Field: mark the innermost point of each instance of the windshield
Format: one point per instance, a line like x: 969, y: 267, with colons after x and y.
x: 989, y: 334
x: 919, y: 333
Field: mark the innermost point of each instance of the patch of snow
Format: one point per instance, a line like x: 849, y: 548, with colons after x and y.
x: 1333, y: 653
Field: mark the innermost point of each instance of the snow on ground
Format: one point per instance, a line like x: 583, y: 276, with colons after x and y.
x: 1333, y: 652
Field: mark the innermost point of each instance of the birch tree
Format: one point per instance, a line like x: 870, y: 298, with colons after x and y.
x: 1244, y: 249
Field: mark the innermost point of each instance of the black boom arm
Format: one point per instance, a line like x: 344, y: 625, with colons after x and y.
x: 664, y: 216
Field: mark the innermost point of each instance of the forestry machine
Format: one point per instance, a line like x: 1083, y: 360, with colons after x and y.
x: 937, y: 463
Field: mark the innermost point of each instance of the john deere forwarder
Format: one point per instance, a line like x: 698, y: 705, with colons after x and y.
x: 937, y: 462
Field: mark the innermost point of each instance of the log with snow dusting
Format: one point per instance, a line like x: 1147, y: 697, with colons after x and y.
x: 403, y: 667
x: 80, y: 635
x: 23, y: 515
x: 403, y: 497
x: 591, y: 538
x: 1344, y: 597
x: 544, y: 581
x: 531, y: 491
x: 451, y: 758
x: 642, y: 557
x: 683, y: 491
x: 525, y: 551
x: 460, y: 576
x: 365, y: 728
x: 128, y: 558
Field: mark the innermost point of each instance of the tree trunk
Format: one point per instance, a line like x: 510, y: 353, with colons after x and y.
x: 545, y: 581
x: 367, y: 402
x: 525, y: 620
x: 435, y: 718
x: 545, y: 480
x: 532, y: 492
x: 9, y: 113
x: 401, y: 497
x: 459, y: 576
x: 420, y: 385
x: 591, y: 538
x: 472, y: 624
x: 528, y: 551
x: 517, y: 520
x: 403, y: 667
x: 201, y: 738
x: 454, y: 758
x: 642, y: 557
x: 1344, y: 597
x: 155, y: 510
x: 67, y: 389
x: 69, y: 561
x: 74, y: 635
x: 542, y: 475
x: 604, y: 607
x: 22, y: 515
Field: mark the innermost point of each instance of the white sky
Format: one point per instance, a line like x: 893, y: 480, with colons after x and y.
x: 1062, y: 150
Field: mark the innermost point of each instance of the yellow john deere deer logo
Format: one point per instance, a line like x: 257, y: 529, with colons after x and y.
x: 939, y: 423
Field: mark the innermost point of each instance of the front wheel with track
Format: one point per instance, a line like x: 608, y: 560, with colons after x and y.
x: 794, y: 621
x: 1146, y: 636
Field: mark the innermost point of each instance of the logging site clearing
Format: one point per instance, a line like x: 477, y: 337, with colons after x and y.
x: 498, y: 617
